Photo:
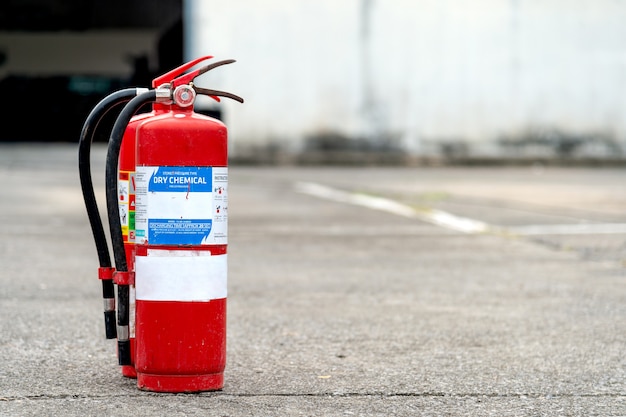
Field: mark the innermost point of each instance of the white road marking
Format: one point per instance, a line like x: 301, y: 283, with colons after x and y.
x: 438, y: 217
x: 570, y: 229
x: 451, y: 221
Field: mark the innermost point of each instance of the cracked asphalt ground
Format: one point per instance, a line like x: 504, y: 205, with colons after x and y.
x: 341, y: 309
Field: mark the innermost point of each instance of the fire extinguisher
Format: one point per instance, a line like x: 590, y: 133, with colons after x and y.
x: 167, y: 207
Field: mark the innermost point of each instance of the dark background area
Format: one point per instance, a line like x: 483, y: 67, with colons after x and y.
x: 80, y: 15
x: 52, y: 107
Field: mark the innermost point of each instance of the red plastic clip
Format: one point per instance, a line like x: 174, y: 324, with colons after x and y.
x: 124, y: 278
x: 105, y: 273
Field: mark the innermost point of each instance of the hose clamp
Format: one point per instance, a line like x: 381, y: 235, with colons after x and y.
x: 109, y: 304
x: 164, y: 94
x: 123, y: 333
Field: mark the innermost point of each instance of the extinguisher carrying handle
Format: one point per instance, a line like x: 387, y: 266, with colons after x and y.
x: 84, y: 168
x: 115, y: 227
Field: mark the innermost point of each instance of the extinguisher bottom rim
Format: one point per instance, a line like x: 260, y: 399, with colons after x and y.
x: 180, y: 383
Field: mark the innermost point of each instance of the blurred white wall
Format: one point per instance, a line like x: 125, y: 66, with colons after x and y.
x: 415, y: 74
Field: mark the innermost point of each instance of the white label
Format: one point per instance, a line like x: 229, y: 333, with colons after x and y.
x: 181, y: 205
x: 168, y: 275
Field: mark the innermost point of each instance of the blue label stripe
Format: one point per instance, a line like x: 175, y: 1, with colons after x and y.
x: 178, y: 231
x: 182, y: 179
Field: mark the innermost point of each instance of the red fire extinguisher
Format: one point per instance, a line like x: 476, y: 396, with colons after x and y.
x: 167, y: 206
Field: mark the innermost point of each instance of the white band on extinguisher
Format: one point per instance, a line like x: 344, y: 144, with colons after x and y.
x: 180, y: 275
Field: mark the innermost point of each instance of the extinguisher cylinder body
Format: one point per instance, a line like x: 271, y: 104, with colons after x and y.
x: 180, y: 249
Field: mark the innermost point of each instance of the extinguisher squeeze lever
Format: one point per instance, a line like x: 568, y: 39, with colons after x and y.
x: 214, y: 94
x: 182, y: 91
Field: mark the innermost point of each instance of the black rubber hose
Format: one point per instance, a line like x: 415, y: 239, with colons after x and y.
x: 117, y: 240
x: 108, y: 293
x: 84, y: 168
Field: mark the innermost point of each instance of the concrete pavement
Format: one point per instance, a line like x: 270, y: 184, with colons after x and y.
x: 337, y: 308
